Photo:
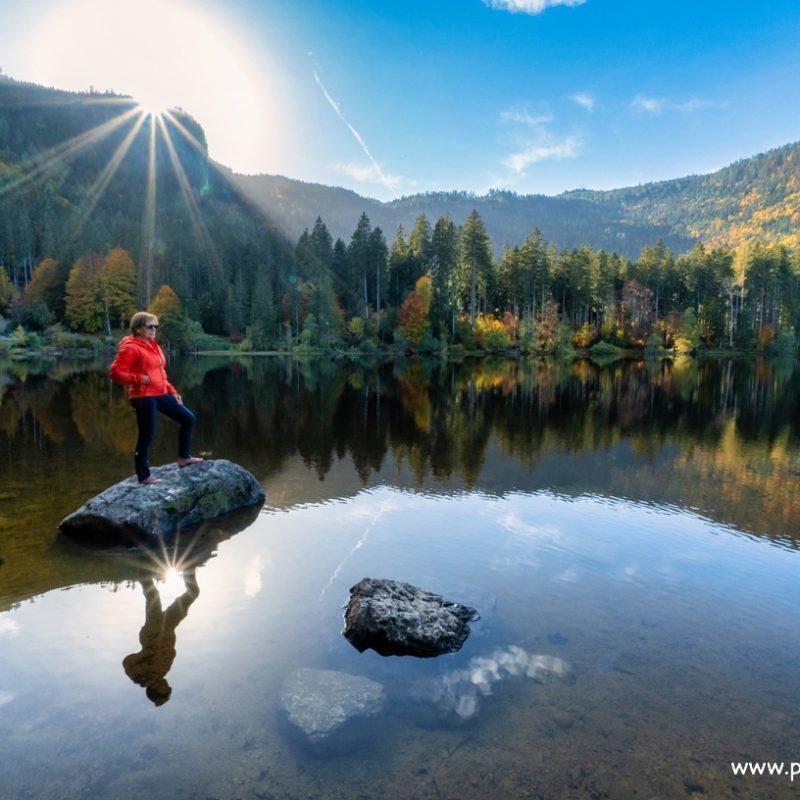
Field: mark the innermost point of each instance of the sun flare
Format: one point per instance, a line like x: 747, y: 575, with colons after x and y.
x: 165, y: 54
x: 152, y: 105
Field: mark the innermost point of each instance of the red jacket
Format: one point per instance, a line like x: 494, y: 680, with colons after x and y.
x: 137, y: 357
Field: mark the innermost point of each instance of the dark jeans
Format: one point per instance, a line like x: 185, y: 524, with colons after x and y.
x: 146, y: 408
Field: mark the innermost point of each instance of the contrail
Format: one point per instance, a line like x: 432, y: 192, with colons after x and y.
x: 355, y: 133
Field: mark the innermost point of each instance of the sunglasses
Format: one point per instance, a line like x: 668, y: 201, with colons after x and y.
x: 152, y: 327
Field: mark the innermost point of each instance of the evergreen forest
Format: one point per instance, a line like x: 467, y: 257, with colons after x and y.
x: 104, y: 210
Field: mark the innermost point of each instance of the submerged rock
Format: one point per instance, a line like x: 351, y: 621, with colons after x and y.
x: 459, y: 691
x: 395, y: 618
x: 320, y: 702
x: 186, y: 497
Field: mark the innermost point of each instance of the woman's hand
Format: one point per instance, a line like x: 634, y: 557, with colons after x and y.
x: 178, y: 399
x: 145, y: 380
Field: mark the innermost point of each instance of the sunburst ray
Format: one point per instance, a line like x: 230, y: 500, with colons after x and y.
x: 97, y: 189
x: 58, y: 155
x: 191, y: 204
x: 149, y: 218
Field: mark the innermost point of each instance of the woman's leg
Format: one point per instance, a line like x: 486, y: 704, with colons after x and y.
x: 145, y: 408
x: 168, y: 405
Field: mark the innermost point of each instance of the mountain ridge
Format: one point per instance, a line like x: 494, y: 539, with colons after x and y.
x: 755, y: 198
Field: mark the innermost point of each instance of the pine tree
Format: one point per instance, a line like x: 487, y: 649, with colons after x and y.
x: 444, y: 257
x: 398, y: 266
x: 359, y: 269
x: 475, y: 263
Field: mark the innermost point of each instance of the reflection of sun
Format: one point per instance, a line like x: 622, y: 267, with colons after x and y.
x: 171, y: 586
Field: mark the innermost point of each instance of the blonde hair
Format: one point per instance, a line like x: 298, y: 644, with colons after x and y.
x: 139, y: 320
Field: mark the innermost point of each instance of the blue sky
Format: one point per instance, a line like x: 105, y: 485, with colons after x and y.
x: 392, y: 98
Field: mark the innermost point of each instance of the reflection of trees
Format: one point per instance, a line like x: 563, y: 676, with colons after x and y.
x: 102, y: 413
x: 413, y: 384
x: 445, y: 420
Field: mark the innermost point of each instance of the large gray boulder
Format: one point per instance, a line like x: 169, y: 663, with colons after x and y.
x: 395, y: 618
x: 186, y: 497
x: 321, y: 702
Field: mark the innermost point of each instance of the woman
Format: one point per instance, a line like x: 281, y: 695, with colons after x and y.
x: 139, y: 363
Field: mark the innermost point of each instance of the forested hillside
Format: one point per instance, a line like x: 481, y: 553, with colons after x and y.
x: 508, y: 217
x: 105, y: 209
x: 754, y: 200
x: 75, y: 182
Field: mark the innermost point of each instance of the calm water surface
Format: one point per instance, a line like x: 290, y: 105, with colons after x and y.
x: 638, y: 521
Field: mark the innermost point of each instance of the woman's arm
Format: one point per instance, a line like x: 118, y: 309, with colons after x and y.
x: 121, y: 369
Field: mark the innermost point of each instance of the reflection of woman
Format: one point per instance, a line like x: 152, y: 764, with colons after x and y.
x: 150, y: 665
x: 139, y: 363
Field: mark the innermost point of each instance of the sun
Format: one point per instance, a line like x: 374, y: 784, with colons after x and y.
x: 153, y: 104
x: 165, y: 54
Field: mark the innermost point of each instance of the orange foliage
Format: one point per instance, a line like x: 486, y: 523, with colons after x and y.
x: 765, y: 336
x: 414, y: 320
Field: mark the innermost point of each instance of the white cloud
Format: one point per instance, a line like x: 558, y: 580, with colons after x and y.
x: 651, y: 105
x: 512, y: 522
x: 369, y: 173
x: 529, y: 6
x: 519, y: 115
x: 252, y: 577
x: 655, y: 105
x: 543, y: 151
x: 584, y: 101
x: 8, y: 627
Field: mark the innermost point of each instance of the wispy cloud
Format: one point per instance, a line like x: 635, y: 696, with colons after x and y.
x: 584, y: 101
x: 335, y: 106
x: 529, y: 6
x: 661, y: 105
x: 543, y: 151
x: 524, y: 117
x: 531, y: 142
x: 651, y: 105
x: 370, y: 173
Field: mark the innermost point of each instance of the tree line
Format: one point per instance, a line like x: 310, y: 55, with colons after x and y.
x: 437, y: 285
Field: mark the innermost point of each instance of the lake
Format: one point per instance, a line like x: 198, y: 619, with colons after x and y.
x: 637, y: 521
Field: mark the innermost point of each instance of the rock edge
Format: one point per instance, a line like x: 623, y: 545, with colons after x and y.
x: 395, y: 618
x: 186, y: 497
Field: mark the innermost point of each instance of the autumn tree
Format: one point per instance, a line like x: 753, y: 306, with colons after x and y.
x: 84, y: 309
x: 117, y: 288
x: 167, y: 307
x: 6, y: 290
x: 414, y: 322
x: 47, y: 287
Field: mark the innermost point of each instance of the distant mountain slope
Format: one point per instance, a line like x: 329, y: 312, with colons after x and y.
x: 509, y: 218
x: 755, y: 198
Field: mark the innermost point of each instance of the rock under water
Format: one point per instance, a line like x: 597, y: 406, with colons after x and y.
x: 130, y: 511
x: 320, y: 702
x: 395, y: 618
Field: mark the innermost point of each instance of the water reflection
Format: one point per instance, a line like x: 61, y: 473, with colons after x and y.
x: 721, y: 438
x: 150, y: 665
